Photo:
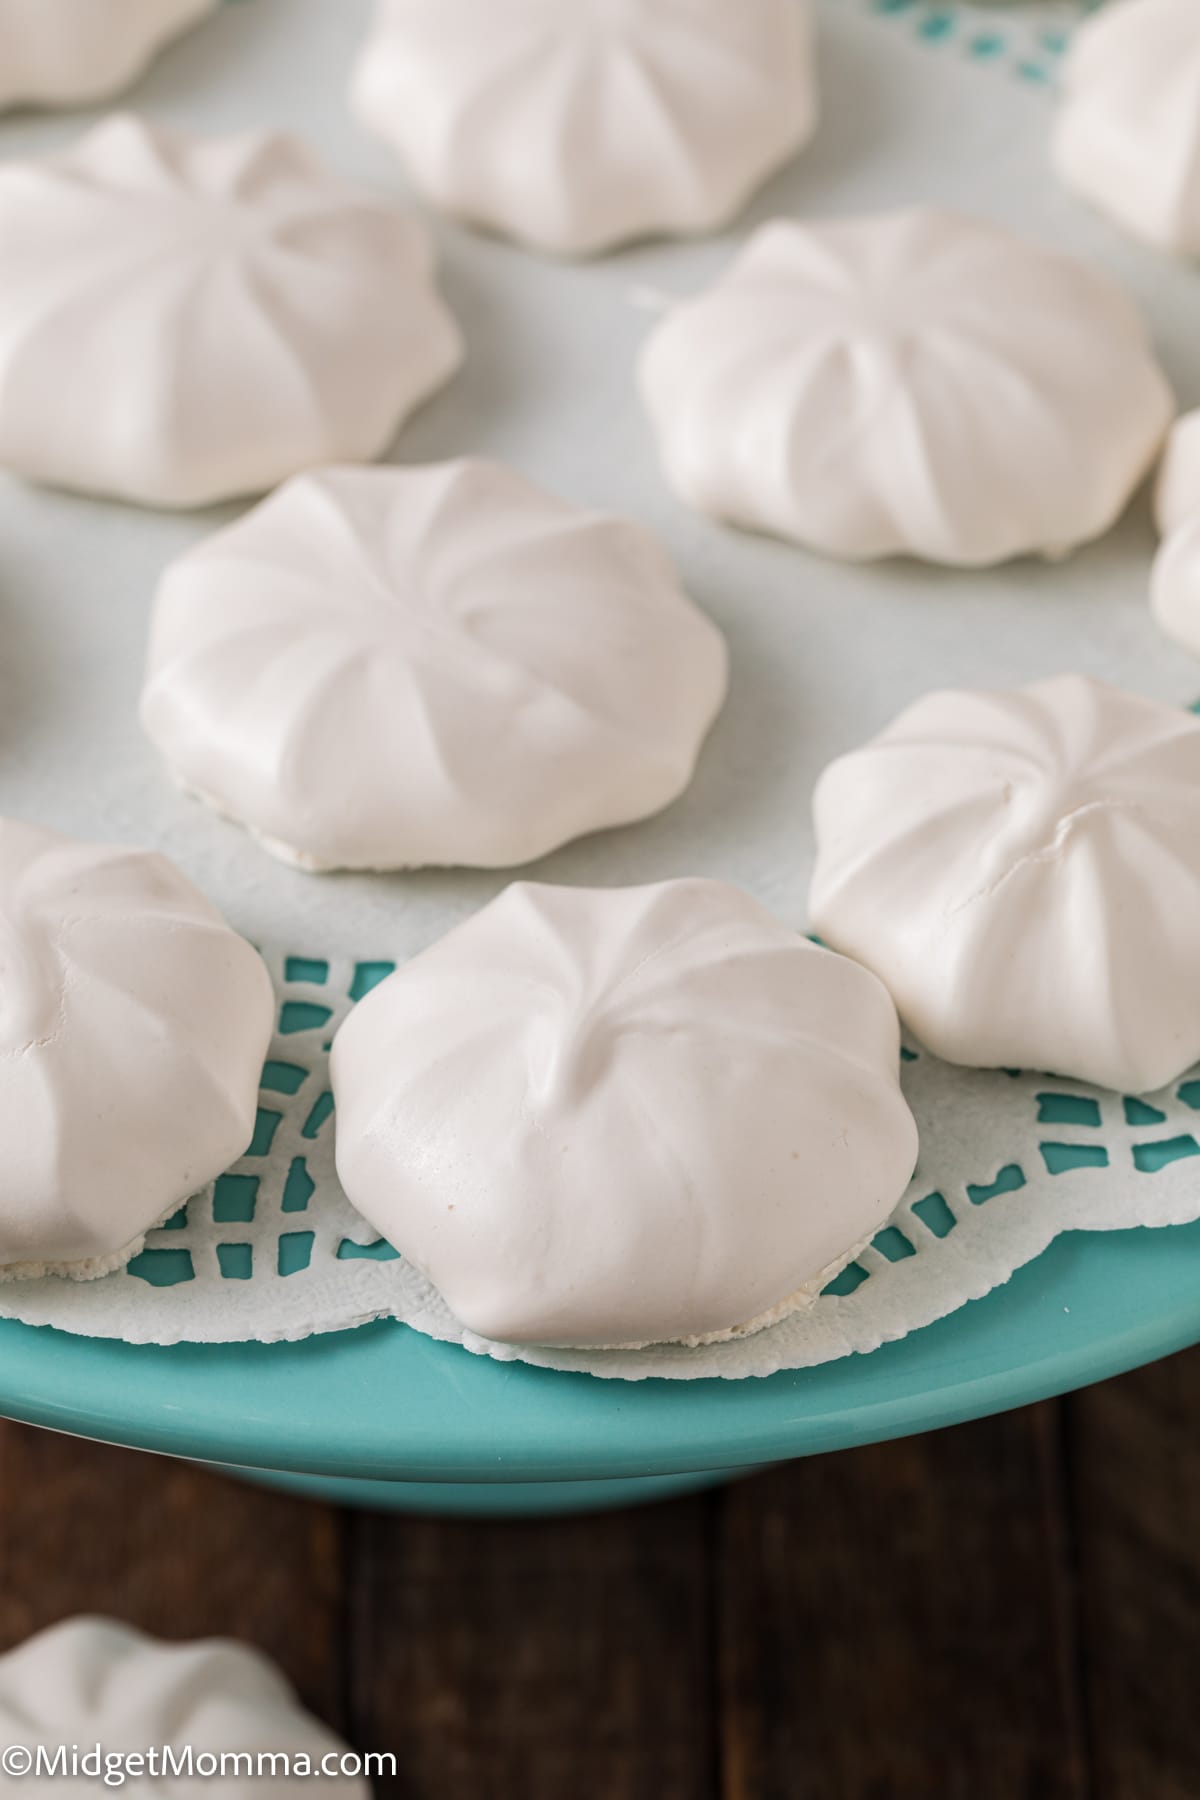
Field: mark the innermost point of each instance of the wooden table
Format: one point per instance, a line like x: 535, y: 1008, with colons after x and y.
x: 1006, y: 1611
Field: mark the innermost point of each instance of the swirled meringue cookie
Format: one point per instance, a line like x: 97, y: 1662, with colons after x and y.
x: 577, y: 125
x: 133, y: 1028
x: 1023, y: 870
x: 91, y: 1681
x: 921, y: 383
x: 183, y: 320
x: 1128, y: 134
x: 391, y: 668
x: 70, y: 52
x: 623, y: 1116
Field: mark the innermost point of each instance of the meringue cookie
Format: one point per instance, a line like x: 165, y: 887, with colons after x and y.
x: 921, y: 383
x: 69, y: 52
x: 1023, y: 870
x: 621, y: 1116
x: 1177, y: 490
x: 1175, y: 578
x: 133, y: 1028
x: 1128, y: 134
x: 184, y: 320
x: 90, y: 1681
x: 389, y: 668
x: 576, y: 125
x: 1175, y: 585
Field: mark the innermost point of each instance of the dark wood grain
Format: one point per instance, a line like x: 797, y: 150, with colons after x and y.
x: 538, y: 1660
x: 895, y: 1621
x: 1135, y: 1462
x: 171, y: 1548
x: 1008, y: 1611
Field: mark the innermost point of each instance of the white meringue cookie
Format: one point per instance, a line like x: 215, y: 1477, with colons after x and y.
x: 1175, y: 578
x: 623, y: 1116
x: 91, y: 1682
x: 69, y: 52
x: 1175, y: 585
x: 1023, y: 870
x: 576, y: 125
x: 1177, y: 491
x: 920, y: 383
x: 390, y: 668
x: 183, y: 320
x: 133, y: 1028
x: 1128, y: 134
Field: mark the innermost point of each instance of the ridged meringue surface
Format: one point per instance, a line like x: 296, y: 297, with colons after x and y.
x: 133, y: 1028
x: 576, y: 125
x: 920, y: 383
x: 69, y: 52
x: 91, y: 1681
x: 397, y: 667
x: 622, y: 1116
x: 1128, y: 133
x: 1022, y: 869
x: 183, y: 320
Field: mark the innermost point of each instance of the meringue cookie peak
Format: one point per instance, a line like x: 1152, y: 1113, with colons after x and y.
x: 133, y: 1028
x: 1022, y: 869
x: 89, y: 1681
x: 184, y: 320
x: 1128, y: 133
x: 68, y: 52
x: 576, y: 125
x: 921, y: 383
x: 400, y: 667
x: 623, y: 1116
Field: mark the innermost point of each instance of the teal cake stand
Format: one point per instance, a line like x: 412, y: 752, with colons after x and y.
x: 384, y: 1417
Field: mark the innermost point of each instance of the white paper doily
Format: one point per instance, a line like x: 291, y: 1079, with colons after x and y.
x: 274, y: 1250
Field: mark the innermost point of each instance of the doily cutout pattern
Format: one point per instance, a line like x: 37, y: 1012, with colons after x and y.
x: 1024, y: 42
x: 273, y: 1249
